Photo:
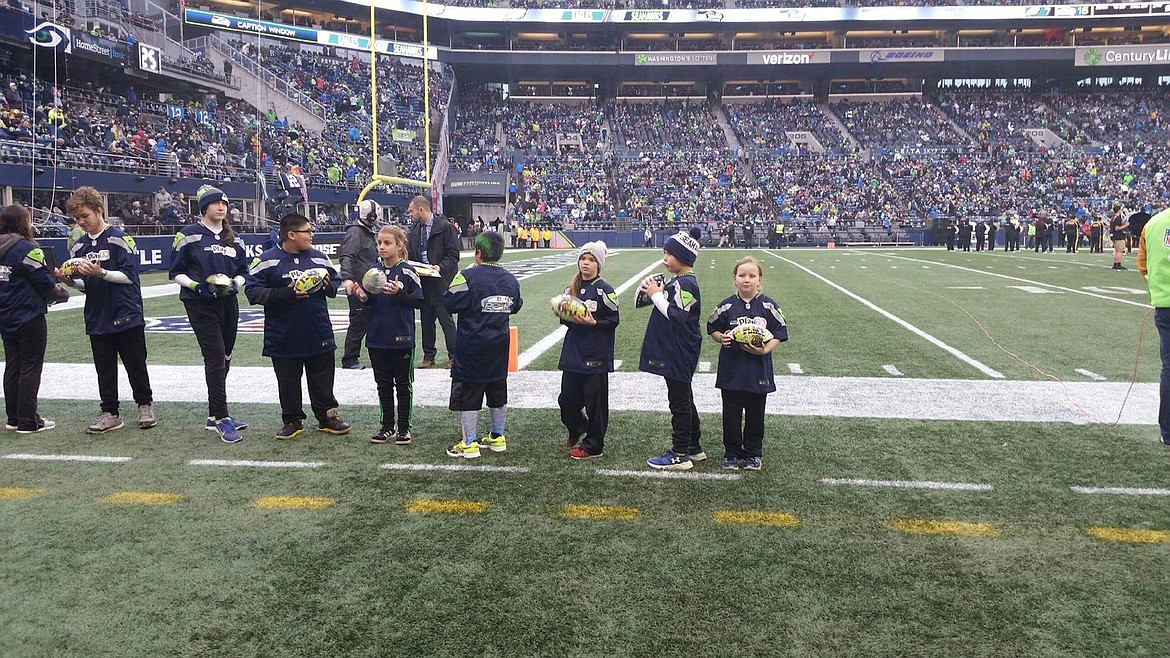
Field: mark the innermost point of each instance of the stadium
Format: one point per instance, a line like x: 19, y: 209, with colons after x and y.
x: 961, y: 456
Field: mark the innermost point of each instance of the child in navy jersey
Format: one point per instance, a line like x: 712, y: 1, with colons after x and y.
x: 201, y: 249
x: 113, y: 309
x: 390, y: 336
x: 671, y: 347
x: 745, y: 372
x: 587, y: 356
x: 298, y: 335
x: 484, y: 297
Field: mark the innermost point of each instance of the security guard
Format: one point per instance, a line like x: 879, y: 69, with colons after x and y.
x: 1072, y: 235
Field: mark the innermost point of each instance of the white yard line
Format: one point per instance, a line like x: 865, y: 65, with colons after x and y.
x: 247, y: 463
x: 454, y: 467
x: 795, y: 369
x: 545, y: 344
x: 670, y: 475
x: 1090, y: 374
x: 70, y: 458
x: 893, y: 370
x: 77, y: 299
x: 1121, y: 491
x: 909, y: 484
x: 981, y: 367
x: 617, y: 364
x: 1028, y: 281
x: 705, y: 366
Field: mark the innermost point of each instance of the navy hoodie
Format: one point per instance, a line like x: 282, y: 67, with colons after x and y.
x: 589, y: 348
x: 484, y: 297
x: 672, y: 342
x: 293, y: 328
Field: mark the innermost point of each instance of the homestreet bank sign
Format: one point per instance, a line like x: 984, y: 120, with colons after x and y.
x: 1123, y: 55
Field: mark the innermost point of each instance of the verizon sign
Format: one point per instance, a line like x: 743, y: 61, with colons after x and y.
x: 788, y: 57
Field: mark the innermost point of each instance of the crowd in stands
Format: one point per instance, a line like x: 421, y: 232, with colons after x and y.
x: 996, y: 121
x: 674, y: 124
x: 896, y: 123
x: 764, y: 125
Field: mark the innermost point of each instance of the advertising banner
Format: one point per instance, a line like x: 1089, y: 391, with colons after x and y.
x: 900, y: 55
x: 250, y: 26
x: 675, y: 59
x: 401, y: 135
x: 1123, y: 55
x: 789, y: 57
x: 476, y: 184
x: 97, y: 48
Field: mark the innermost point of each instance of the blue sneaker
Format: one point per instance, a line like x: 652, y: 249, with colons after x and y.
x: 730, y: 464
x: 753, y: 464
x: 670, y: 461
x: 354, y: 366
x: 696, y: 454
x: 210, y: 426
x: 226, y: 428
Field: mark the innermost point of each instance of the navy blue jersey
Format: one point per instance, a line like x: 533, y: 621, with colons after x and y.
x: 483, y: 297
x: 110, y: 307
x: 25, y: 281
x: 672, y: 342
x: 589, y: 348
x: 740, y: 370
x: 392, y: 316
x: 293, y: 328
x: 198, y: 253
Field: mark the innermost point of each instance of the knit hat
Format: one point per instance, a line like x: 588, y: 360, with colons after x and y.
x: 208, y: 195
x: 684, y: 246
x: 597, y: 250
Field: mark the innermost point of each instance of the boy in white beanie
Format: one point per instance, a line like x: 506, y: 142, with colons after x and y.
x: 587, y: 356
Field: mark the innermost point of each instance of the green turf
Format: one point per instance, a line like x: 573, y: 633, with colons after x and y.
x: 211, y: 575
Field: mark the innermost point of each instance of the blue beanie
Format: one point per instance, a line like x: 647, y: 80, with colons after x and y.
x: 684, y: 246
x: 208, y: 195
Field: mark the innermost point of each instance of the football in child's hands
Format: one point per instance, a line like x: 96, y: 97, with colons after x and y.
x: 69, y: 268
x: 568, y: 307
x: 373, y: 280
x: 751, y: 334
x: 310, y: 281
x: 220, y: 283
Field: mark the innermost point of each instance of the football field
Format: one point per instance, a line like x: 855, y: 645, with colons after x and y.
x: 944, y: 474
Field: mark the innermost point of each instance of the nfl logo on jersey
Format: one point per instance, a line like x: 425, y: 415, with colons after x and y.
x: 1166, y: 238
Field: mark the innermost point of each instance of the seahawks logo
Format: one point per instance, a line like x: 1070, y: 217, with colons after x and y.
x: 51, y: 35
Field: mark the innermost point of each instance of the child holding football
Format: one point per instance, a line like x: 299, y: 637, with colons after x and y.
x: 671, y: 347
x: 587, y: 356
x: 745, y: 368
x: 484, y: 297
x: 390, y: 336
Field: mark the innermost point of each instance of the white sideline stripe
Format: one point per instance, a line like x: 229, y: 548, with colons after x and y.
x: 77, y: 299
x: 248, y: 463
x: 669, y: 475
x: 454, y: 467
x: 964, y: 287
x: 545, y: 344
x: 1090, y: 374
x: 987, y: 370
x: 70, y: 458
x: 893, y: 370
x: 795, y: 369
x: 705, y: 366
x: 1029, y: 281
x: 1121, y: 491
x: 909, y: 484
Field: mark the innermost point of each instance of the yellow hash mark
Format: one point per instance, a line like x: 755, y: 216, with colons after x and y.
x: 141, y: 498
x: 957, y: 528
x: 1125, y: 534
x: 424, y: 505
x: 292, y: 502
x: 599, y: 512
x: 756, y: 518
x: 13, y: 493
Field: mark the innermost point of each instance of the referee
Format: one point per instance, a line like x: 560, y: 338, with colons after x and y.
x: 1153, y: 261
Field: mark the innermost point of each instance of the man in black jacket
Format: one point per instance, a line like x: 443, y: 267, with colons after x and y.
x: 433, y: 240
x: 359, y: 250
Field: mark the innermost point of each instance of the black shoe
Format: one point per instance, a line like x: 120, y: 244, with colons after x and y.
x: 333, y: 424
x: 403, y: 439
x: 383, y: 436
x: 1122, y: 267
x: 290, y: 429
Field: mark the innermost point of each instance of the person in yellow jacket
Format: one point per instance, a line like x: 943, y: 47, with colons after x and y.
x: 546, y: 235
x: 521, y: 237
x: 1153, y: 261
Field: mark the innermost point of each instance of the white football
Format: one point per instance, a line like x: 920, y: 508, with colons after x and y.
x: 373, y: 280
x: 220, y: 283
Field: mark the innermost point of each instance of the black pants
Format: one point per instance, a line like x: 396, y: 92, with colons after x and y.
x: 359, y: 321
x: 584, y: 403
x: 428, y: 314
x: 741, y: 442
x: 215, y: 322
x: 684, y: 417
x: 318, y: 371
x: 24, y: 358
x: 979, y: 241
x: 394, y: 372
x: 991, y: 241
x: 130, y: 345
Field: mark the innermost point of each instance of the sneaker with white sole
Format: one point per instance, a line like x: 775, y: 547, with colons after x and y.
x: 146, y: 419
x: 730, y: 464
x: 402, y: 439
x: 226, y: 428
x: 238, y: 424
x: 107, y: 422
x: 494, y: 442
x: 696, y: 454
x: 753, y: 464
x: 464, y: 450
x: 383, y: 436
x: 43, y: 424
x: 670, y: 461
